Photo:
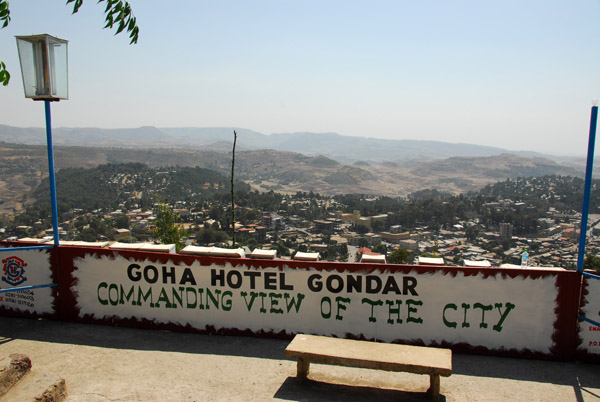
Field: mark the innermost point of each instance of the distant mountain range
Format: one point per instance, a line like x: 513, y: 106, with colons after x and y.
x: 341, y: 148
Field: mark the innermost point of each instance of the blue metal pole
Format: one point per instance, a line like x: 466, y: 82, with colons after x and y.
x: 51, y: 172
x: 26, y: 248
x: 588, y: 186
x: 48, y: 285
x: 596, y: 323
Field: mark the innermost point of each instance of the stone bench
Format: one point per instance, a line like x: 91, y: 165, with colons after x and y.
x: 372, y: 355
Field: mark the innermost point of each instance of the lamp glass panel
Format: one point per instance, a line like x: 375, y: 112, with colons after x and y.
x: 28, y: 67
x: 57, y: 55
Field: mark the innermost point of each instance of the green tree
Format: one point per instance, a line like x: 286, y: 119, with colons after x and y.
x: 252, y: 243
x: 378, y: 226
x: 210, y: 235
x: 399, y: 256
x: 121, y: 221
x: 471, y: 233
x: 591, y: 262
x: 87, y: 235
x: 117, y: 13
x: 282, y: 249
x: 139, y: 233
x: 381, y: 249
x: 166, y: 227
x: 215, y: 212
x: 362, y: 229
x: 363, y: 242
x: 344, y: 252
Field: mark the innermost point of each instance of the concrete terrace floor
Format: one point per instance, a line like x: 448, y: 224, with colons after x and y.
x: 102, y: 363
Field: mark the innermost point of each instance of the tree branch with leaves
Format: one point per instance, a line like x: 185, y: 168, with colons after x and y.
x: 167, y: 228
x: 4, y: 20
x: 118, y: 14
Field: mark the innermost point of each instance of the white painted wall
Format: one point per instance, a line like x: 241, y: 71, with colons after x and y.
x: 589, y: 333
x: 35, y: 271
x: 103, y: 283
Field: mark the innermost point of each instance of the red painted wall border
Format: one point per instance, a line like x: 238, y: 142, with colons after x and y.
x: 565, y: 336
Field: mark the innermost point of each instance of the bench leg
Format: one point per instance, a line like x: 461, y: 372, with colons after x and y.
x: 303, y: 365
x: 434, y: 386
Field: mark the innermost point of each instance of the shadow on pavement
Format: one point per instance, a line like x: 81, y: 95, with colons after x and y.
x: 579, y: 375
x: 313, y: 390
x: 139, y: 339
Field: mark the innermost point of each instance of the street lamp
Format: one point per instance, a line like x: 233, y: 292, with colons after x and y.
x: 44, y: 67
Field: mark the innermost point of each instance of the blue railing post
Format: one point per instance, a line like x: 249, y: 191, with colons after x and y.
x: 587, y: 190
x: 51, y: 175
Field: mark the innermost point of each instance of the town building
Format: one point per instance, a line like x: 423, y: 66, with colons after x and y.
x: 506, y: 230
x: 272, y: 220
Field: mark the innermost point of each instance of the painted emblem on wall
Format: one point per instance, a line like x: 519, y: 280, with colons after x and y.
x: 13, y: 271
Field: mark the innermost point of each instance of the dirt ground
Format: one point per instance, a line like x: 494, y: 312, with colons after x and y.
x: 102, y: 363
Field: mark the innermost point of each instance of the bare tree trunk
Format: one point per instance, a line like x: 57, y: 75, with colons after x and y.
x: 232, y: 193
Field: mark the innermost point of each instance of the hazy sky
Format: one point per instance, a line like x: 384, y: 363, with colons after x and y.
x: 520, y: 75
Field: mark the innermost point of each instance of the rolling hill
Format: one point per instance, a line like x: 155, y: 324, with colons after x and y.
x: 22, y: 168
